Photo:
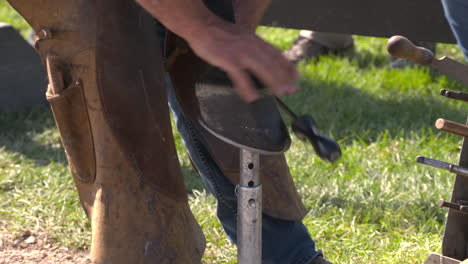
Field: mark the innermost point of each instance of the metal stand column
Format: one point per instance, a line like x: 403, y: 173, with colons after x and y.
x: 249, y: 210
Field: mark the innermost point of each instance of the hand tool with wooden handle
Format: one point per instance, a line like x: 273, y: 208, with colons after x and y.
x: 452, y: 127
x: 401, y: 47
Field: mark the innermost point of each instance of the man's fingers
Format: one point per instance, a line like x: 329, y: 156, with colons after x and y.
x: 291, y: 66
x: 272, y: 71
x: 289, y: 69
x: 244, y: 85
x: 247, y: 53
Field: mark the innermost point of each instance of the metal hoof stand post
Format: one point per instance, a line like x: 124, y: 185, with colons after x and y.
x: 249, y: 204
x: 255, y: 128
x: 455, y: 241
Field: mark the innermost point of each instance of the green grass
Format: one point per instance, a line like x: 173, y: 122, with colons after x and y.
x: 376, y: 205
x: 7, y: 15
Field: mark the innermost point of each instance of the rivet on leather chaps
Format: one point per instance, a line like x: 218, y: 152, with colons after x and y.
x: 109, y: 102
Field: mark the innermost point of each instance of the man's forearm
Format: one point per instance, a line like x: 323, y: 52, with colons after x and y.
x: 250, y: 12
x: 183, y: 17
x: 187, y: 17
x: 232, y: 47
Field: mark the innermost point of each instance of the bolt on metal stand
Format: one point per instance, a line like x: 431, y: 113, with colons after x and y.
x: 249, y: 210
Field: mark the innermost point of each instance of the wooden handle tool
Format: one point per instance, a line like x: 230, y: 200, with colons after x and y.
x: 401, y: 47
x: 452, y: 127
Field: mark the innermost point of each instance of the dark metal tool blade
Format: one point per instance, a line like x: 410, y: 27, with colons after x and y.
x: 454, y: 95
x: 401, y: 47
x: 452, y: 68
x: 439, y: 259
x: 443, y: 165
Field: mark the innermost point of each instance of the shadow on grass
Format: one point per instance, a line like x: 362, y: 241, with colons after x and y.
x: 349, y: 113
x: 18, y: 130
x: 365, y: 58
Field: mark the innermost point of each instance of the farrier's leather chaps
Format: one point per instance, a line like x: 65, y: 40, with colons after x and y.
x: 109, y: 101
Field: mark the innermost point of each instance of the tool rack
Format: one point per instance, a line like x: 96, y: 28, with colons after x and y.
x: 455, y: 240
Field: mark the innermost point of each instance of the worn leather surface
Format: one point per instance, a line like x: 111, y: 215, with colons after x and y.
x: 136, y: 200
x: 75, y: 132
x: 280, y: 197
x: 255, y: 126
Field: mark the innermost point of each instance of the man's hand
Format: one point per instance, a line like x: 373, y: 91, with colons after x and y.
x: 239, y: 52
x: 233, y: 48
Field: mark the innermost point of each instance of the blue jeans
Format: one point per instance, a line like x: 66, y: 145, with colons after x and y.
x: 456, y: 12
x: 284, y: 242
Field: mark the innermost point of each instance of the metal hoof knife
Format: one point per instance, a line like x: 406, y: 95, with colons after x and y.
x: 401, y: 47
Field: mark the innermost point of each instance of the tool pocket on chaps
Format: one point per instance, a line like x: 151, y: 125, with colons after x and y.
x: 71, y: 117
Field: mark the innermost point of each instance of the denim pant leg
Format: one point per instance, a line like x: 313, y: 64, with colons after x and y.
x: 284, y: 242
x: 456, y: 12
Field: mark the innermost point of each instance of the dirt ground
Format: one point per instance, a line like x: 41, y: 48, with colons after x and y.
x: 28, y: 249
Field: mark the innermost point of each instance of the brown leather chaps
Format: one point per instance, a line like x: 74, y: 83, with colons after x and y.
x: 107, y: 93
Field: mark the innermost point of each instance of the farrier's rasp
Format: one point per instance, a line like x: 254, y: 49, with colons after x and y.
x: 401, y: 47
